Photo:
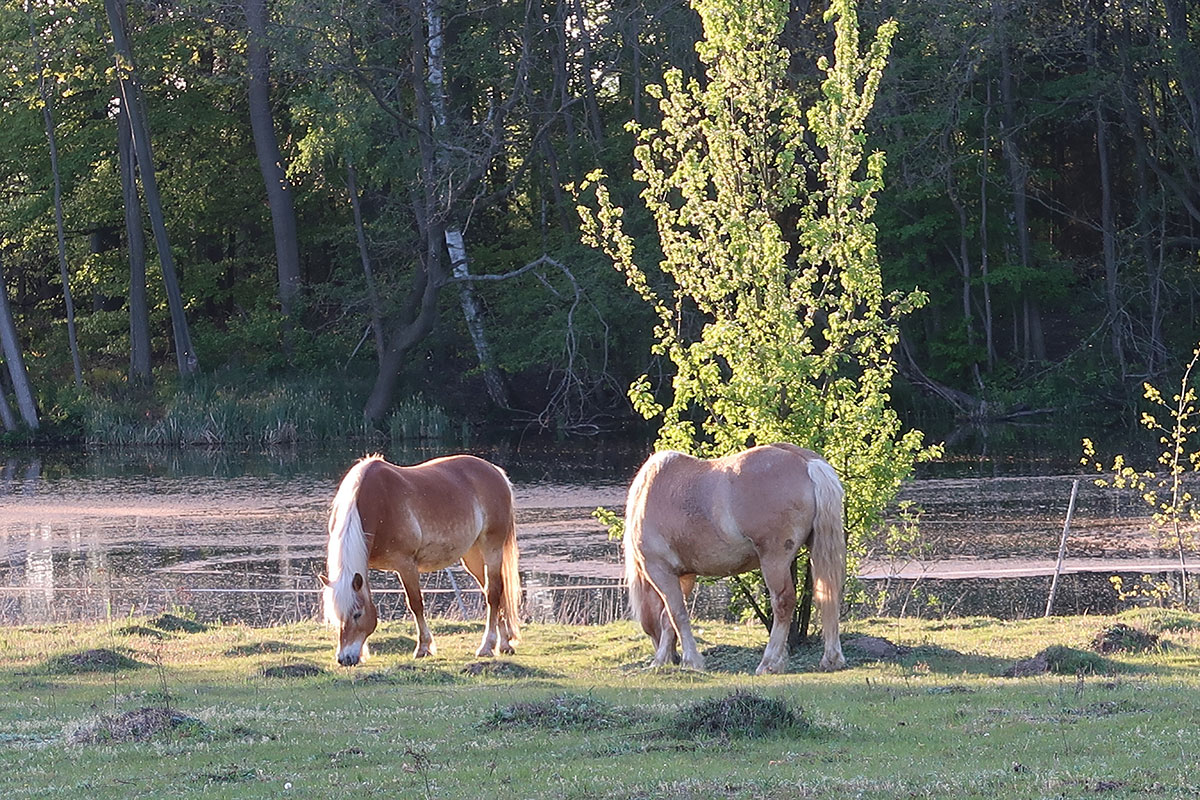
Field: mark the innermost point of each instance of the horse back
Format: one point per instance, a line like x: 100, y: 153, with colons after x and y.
x: 432, y: 512
x: 716, y: 517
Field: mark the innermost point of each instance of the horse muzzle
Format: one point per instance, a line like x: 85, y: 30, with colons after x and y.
x: 350, y: 656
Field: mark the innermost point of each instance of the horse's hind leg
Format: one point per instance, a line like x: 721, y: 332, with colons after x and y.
x: 411, y: 580
x: 668, y: 586
x: 492, y: 584
x: 777, y: 575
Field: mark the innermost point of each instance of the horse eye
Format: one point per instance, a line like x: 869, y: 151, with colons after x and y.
x: 357, y: 614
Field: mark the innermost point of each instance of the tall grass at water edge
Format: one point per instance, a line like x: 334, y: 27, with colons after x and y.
x: 211, y: 413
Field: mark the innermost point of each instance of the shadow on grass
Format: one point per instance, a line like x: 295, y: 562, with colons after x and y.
x: 409, y: 675
x: 859, y: 651
x: 269, y: 647
x: 392, y: 644
x: 501, y: 668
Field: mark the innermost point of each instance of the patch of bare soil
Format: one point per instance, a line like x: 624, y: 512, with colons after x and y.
x: 1122, y: 638
x: 96, y: 660
x: 138, y: 725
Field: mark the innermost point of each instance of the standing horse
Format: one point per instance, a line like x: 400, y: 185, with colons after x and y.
x: 420, y: 519
x: 686, y: 517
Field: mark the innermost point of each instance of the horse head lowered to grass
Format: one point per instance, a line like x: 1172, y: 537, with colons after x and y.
x: 686, y: 517
x: 420, y: 519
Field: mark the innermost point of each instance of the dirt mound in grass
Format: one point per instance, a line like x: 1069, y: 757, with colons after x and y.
x: 177, y: 624
x: 296, y: 670
x: 875, y: 647
x: 500, y: 668
x: 138, y: 725
x: 95, y: 660
x: 1061, y: 660
x: 559, y: 712
x: 741, y: 715
x: 1122, y: 638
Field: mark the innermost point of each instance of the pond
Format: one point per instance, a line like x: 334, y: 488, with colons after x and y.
x: 240, y: 536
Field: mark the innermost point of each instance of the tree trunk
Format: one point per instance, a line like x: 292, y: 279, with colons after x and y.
x: 139, y: 309
x: 456, y: 246
x: 270, y: 159
x: 7, y: 418
x: 989, y: 327
x: 419, y: 312
x: 365, y: 257
x: 131, y: 101
x: 1018, y: 174
x: 11, y: 347
x: 1109, y: 236
x: 64, y: 270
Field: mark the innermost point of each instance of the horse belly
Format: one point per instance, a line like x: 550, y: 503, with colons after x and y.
x: 716, y: 553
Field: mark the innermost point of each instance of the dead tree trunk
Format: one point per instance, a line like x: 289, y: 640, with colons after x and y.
x: 139, y: 309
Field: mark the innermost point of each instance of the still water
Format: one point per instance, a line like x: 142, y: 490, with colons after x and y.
x: 241, y: 535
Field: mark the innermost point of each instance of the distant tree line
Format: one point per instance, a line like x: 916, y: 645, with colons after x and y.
x: 380, y: 195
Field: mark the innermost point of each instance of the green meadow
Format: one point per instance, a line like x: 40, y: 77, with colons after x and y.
x: 168, y: 707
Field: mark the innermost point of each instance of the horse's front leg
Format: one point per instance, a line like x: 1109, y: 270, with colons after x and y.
x: 777, y: 575
x: 411, y: 580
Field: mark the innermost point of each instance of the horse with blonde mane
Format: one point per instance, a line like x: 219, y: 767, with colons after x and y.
x: 417, y: 519
x: 686, y: 517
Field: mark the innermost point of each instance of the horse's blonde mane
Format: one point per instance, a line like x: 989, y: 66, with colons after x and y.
x: 347, y: 551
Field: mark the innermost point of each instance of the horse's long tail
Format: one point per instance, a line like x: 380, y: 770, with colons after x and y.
x: 644, y: 603
x: 347, y: 549
x: 511, y: 574
x: 827, y: 551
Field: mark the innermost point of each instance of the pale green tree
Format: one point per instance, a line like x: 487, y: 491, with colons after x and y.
x: 775, y: 317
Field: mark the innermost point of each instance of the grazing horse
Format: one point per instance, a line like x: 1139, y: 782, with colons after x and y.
x: 686, y: 517
x: 420, y: 519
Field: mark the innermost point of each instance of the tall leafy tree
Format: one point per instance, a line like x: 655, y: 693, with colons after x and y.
x: 775, y: 317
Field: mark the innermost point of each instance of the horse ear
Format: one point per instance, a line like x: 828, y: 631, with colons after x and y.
x: 357, y: 583
x: 324, y: 580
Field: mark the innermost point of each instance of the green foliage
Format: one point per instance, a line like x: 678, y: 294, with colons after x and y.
x: 777, y: 322
x: 1175, y: 512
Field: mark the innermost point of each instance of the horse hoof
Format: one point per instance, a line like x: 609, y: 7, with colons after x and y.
x: 768, y: 669
x: 507, y: 649
x: 832, y: 665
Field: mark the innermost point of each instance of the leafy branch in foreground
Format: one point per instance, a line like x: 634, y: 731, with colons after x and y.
x: 1175, y: 513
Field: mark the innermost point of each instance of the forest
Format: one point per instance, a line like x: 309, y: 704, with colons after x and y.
x: 368, y: 210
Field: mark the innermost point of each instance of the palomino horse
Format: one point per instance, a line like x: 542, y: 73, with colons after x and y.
x: 420, y: 519
x: 686, y: 517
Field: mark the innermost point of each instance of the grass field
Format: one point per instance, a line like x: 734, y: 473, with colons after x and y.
x: 166, y: 707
